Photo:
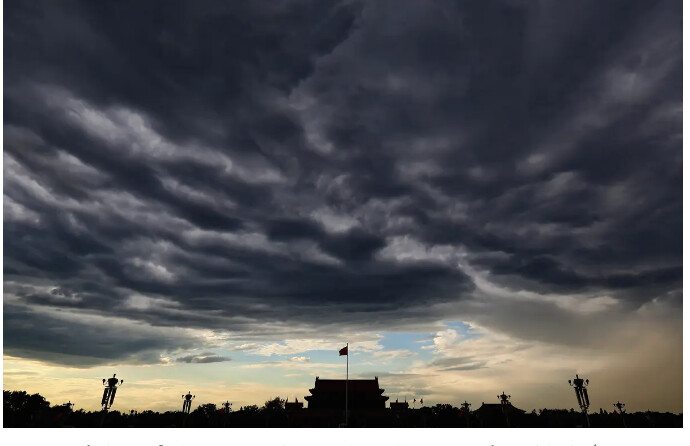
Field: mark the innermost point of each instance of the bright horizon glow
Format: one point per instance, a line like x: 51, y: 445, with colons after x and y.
x: 452, y: 365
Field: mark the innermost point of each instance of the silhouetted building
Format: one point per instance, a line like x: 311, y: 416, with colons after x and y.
x: 498, y: 415
x: 397, y: 406
x: 363, y: 394
x: 296, y: 405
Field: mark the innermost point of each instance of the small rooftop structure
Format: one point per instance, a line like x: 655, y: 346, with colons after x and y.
x: 397, y: 406
x: 497, y: 415
x: 296, y: 405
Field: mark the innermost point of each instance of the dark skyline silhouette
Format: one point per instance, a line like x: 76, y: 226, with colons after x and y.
x: 32, y: 411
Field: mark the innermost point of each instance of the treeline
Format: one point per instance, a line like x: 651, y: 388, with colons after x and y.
x: 21, y: 409
x: 24, y: 410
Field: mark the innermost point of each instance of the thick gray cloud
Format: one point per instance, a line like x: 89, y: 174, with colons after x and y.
x: 223, y: 165
x: 204, y: 358
x: 79, y: 341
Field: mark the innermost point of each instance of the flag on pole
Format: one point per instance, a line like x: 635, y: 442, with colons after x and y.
x: 343, y: 351
x: 421, y: 401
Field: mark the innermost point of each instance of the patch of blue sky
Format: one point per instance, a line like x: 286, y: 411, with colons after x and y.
x: 407, y: 341
x: 463, y: 329
x: 414, y: 342
x: 239, y: 356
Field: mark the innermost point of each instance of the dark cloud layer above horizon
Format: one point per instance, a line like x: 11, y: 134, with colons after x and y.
x: 224, y: 165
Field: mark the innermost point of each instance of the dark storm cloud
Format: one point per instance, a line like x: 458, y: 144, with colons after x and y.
x: 83, y: 342
x: 223, y: 165
x: 204, y: 358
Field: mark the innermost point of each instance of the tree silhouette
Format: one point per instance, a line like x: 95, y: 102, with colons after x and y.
x: 20, y: 408
x: 446, y: 415
x: 444, y: 409
x: 21, y: 401
x: 274, y: 404
x: 251, y: 409
x: 207, y: 410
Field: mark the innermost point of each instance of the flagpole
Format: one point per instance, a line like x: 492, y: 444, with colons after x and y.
x: 347, y: 377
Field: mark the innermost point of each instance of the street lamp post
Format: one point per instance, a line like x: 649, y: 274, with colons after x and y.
x: 186, y: 406
x: 226, y: 412
x: 580, y: 386
x: 187, y: 402
x: 111, y: 386
x: 504, y: 399
x: 505, y: 406
x: 618, y: 405
x: 465, y: 409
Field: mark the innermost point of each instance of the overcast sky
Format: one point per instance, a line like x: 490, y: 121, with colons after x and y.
x: 216, y: 196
